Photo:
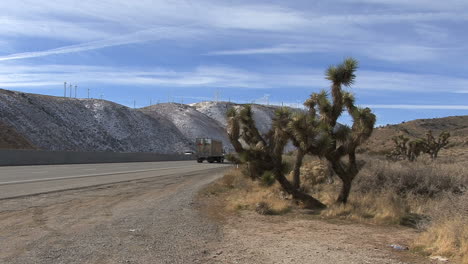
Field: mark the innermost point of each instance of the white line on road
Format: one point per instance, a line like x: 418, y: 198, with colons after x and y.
x: 89, y: 175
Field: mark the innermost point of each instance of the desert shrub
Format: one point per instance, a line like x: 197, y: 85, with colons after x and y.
x: 447, y: 235
x: 232, y: 179
x: 383, y: 208
x: 268, y: 178
x: 263, y: 208
x: 312, y: 173
x: 416, y: 178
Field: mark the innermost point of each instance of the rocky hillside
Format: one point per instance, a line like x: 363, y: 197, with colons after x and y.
x: 56, y: 123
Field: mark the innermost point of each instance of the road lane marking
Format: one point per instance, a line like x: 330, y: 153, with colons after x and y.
x: 90, y: 175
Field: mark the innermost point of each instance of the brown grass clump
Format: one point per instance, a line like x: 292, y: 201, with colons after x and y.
x: 383, y: 208
x: 447, y: 235
x: 241, y: 193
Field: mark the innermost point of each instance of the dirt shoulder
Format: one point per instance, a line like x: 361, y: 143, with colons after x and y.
x: 302, y: 237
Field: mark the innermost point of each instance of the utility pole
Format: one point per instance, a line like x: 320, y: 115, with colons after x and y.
x: 268, y: 99
x: 102, y: 96
x: 71, y: 88
x: 64, y: 89
x: 217, y: 95
x: 76, y: 87
x: 88, y: 93
x: 151, y: 102
x: 134, y: 104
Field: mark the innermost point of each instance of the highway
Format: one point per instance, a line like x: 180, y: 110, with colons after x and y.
x: 18, y: 181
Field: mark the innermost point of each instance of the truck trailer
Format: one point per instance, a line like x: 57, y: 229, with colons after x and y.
x: 210, y: 150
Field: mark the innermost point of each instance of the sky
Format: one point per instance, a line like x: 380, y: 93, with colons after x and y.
x: 412, y: 54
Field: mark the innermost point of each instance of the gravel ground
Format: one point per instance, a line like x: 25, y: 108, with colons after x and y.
x: 146, y: 221
x: 253, y: 238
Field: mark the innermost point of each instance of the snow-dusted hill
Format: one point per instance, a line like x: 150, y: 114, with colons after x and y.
x: 217, y: 110
x: 55, y: 123
x: 190, y: 122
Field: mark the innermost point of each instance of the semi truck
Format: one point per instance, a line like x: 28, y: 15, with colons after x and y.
x: 210, y: 150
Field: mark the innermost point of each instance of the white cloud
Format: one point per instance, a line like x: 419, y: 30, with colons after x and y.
x: 447, y: 5
x: 392, y: 53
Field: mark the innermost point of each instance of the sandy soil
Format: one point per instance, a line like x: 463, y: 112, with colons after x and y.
x: 301, y: 237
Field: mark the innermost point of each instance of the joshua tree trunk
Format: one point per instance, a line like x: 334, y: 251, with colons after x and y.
x: 297, y: 168
x: 345, y: 190
x: 309, y: 201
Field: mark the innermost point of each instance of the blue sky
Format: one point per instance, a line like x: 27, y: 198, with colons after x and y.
x: 412, y: 54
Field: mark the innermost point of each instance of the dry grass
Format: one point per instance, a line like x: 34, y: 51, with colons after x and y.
x: 240, y: 193
x: 447, y: 238
x: 426, y: 195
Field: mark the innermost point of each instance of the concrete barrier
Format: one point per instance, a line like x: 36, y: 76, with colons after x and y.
x: 14, y: 157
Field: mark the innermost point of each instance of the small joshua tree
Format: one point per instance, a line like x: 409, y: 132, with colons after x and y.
x: 264, y: 153
x: 400, y: 149
x: 434, y: 146
x: 334, y: 141
x: 406, y: 148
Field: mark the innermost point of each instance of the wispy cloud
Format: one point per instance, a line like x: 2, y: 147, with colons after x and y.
x: 132, y: 38
x: 12, y: 75
x: 416, y: 107
x: 279, y: 49
x: 392, y: 53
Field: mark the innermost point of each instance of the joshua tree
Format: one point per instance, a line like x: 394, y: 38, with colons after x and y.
x: 401, y: 149
x: 322, y: 136
x: 406, y: 149
x: 336, y: 141
x: 264, y: 153
x: 302, y: 131
x: 434, y: 146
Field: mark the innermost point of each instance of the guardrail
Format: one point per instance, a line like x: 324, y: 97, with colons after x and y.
x: 14, y: 157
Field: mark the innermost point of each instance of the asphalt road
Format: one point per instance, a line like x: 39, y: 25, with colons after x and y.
x: 18, y: 181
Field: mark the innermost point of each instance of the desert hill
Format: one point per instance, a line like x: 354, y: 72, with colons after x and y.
x: 380, y: 141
